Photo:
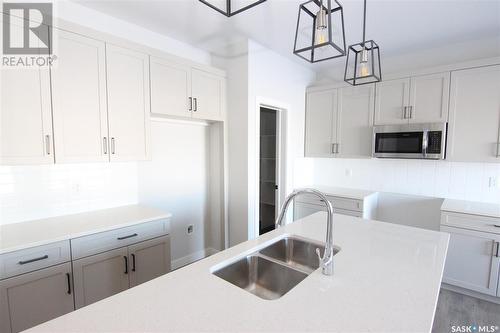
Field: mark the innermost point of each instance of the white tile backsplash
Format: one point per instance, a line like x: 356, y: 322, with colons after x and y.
x: 35, y: 192
x: 463, y: 181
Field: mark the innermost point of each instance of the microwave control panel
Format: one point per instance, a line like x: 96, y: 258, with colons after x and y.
x: 434, y: 142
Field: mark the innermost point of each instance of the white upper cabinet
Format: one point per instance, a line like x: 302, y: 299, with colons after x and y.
x: 25, y: 115
x: 128, y: 103
x: 355, y: 130
x: 182, y: 91
x: 429, y: 96
x: 419, y: 99
x: 207, y: 94
x: 170, y: 88
x: 392, y: 99
x: 321, y: 123
x: 474, y: 133
x: 79, y: 100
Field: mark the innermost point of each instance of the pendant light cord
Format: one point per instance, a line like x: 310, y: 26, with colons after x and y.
x: 364, y: 24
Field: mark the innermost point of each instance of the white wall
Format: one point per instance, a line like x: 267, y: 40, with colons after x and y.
x: 463, y: 181
x: 279, y: 82
x: 40, y: 191
x: 259, y: 75
x: 75, y: 13
x: 175, y: 180
x: 237, y: 128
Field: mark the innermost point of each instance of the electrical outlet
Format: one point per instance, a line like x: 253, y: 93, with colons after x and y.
x: 190, y: 229
x: 493, y: 182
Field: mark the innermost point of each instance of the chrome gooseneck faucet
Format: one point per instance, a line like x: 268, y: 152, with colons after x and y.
x: 325, y: 261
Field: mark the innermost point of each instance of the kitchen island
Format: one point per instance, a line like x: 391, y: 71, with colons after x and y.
x: 386, y: 279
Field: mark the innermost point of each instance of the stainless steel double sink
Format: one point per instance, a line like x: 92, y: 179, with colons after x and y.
x: 272, y: 271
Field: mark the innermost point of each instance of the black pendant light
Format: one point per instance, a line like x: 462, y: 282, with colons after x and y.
x: 320, y: 31
x: 363, y: 60
x: 228, y: 7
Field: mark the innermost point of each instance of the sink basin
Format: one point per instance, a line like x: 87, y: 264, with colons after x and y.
x: 261, y: 277
x: 296, y: 253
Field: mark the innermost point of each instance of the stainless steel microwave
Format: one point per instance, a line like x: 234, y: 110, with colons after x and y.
x: 419, y: 141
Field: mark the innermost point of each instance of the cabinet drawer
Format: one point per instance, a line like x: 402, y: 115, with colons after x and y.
x: 31, y: 259
x: 337, y: 202
x: 348, y: 212
x: 113, y: 239
x: 348, y: 204
x: 472, y: 222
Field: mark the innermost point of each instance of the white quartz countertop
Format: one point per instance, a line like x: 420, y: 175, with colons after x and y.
x: 387, y: 279
x: 342, y: 192
x: 18, y: 236
x: 470, y: 207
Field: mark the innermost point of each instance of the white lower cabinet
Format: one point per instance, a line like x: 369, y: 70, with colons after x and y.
x: 473, y: 260
x: 302, y: 209
x: 106, y: 274
x: 364, y: 208
x: 33, y: 298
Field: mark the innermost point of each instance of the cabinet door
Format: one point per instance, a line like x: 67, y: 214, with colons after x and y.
x: 149, y: 260
x: 355, y: 129
x: 321, y: 123
x: 390, y: 101
x: 100, y: 276
x: 207, y: 93
x: 25, y: 114
x: 474, y: 115
x: 79, y: 100
x: 128, y: 103
x: 470, y: 262
x: 33, y: 298
x: 170, y: 88
x: 302, y: 209
x: 429, y: 97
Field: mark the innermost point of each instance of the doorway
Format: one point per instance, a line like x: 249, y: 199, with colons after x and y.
x: 268, y: 168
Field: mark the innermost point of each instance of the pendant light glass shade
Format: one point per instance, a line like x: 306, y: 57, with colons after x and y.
x: 231, y: 7
x: 320, y: 31
x: 363, y: 61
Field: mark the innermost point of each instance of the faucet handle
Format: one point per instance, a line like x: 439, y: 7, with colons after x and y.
x: 318, y: 252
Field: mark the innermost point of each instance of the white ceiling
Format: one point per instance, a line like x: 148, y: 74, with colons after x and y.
x: 400, y: 27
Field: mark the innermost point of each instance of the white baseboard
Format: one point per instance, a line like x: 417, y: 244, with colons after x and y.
x: 178, y: 263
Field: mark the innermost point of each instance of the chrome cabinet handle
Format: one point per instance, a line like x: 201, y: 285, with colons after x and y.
x: 337, y: 148
x: 112, y: 146
x: 190, y: 103
x: 195, y: 104
x: 333, y: 148
x: 411, y: 112
x: 105, y: 145
x: 47, y: 144
x: 405, y: 109
x: 24, y: 262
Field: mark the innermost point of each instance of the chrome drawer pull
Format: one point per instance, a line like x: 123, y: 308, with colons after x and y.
x: 497, y: 254
x: 126, y: 237
x: 24, y: 262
